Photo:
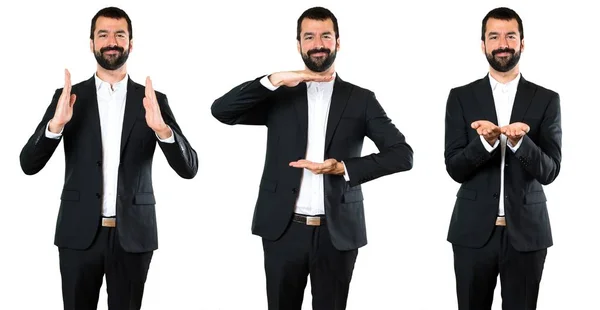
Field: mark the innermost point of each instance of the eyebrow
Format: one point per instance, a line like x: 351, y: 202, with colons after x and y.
x: 496, y: 33
x: 106, y: 31
x: 312, y: 34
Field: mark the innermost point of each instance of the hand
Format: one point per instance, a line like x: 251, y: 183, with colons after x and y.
x: 293, y: 78
x: 488, y: 130
x: 330, y: 166
x: 153, y: 117
x: 515, y: 131
x: 64, y: 107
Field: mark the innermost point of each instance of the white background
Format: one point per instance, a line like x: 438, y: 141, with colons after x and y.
x: 409, y: 55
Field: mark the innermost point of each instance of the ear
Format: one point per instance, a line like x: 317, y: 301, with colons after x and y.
x: 130, y: 45
x: 337, y: 47
x: 92, y: 46
x: 299, y: 47
x: 522, y: 45
x: 483, y: 46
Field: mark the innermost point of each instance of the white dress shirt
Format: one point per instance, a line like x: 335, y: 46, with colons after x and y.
x: 311, y: 198
x: 504, y: 98
x: 111, y: 109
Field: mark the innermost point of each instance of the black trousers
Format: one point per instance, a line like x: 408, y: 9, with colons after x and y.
x: 302, y: 251
x: 476, y: 272
x: 82, y: 272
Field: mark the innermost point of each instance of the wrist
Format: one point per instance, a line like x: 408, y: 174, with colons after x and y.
x: 164, y: 133
x: 55, y: 127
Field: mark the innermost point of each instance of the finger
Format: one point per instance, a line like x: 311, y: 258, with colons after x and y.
x: 149, y: 90
x: 475, y: 125
x: 72, y: 100
x: 67, y: 81
x: 147, y: 105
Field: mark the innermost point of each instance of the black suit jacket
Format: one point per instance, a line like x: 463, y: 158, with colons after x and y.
x: 354, y: 114
x: 81, y: 200
x: 536, y: 163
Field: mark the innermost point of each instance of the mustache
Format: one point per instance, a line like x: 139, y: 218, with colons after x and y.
x: 503, y: 50
x: 318, y: 50
x: 112, y: 48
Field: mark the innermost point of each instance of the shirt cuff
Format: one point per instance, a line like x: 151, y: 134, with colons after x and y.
x: 487, y: 146
x: 346, y: 175
x: 51, y: 135
x: 516, y: 147
x: 170, y: 139
x: 267, y: 83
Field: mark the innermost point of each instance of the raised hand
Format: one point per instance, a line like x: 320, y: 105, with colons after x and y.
x: 488, y: 130
x: 330, y: 166
x: 64, y: 107
x: 153, y: 116
x: 515, y: 131
x: 293, y: 78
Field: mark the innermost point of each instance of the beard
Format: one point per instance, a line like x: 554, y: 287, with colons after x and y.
x: 114, y: 61
x: 319, y: 64
x: 505, y: 63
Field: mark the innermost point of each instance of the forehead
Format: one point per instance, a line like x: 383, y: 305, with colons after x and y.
x: 316, y: 26
x: 111, y: 24
x: 501, y: 26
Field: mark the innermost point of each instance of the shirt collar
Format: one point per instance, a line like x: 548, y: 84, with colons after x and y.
x: 116, y: 87
x: 512, y: 85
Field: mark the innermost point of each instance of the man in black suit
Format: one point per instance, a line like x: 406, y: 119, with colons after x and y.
x: 110, y: 126
x: 503, y: 142
x: 309, y: 211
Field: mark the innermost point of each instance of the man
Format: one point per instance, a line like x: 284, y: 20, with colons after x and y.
x: 503, y: 142
x: 110, y: 126
x: 309, y: 211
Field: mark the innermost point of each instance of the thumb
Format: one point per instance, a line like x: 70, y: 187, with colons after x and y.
x: 475, y: 124
x: 72, y: 99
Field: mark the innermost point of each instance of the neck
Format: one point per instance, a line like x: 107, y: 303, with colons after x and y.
x: 505, y: 77
x: 112, y: 76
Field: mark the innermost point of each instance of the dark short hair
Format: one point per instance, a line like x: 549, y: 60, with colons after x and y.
x: 318, y: 13
x: 502, y: 14
x: 111, y: 12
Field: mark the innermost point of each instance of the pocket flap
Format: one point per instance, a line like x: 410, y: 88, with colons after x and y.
x: 69, y: 195
x: 144, y: 199
x: 535, y: 197
x: 353, y: 196
x: 268, y: 185
x: 467, y: 194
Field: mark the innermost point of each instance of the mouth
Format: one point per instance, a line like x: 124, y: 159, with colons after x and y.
x: 504, y: 54
x: 318, y: 54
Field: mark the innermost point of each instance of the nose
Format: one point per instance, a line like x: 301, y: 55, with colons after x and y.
x: 503, y: 42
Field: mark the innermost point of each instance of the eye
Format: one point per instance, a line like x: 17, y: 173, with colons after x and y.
x: 493, y: 37
x: 102, y: 35
x: 121, y: 35
x: 308, y: 38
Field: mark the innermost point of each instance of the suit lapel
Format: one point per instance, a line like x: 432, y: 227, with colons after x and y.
x: 88, y: 100
x: 339, y: 99
x: 523, y: 98
x: 301, y: 104
x: 133, y: 104
x: 485, y: 100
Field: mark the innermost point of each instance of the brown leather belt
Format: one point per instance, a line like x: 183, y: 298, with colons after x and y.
x: 317, y: 220
x: 501, y: 221
x: 109, y: 222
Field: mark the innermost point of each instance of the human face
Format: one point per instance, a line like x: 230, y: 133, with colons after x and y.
x: 318, y: 45
x: 503, y: 44
x: 111, y: 45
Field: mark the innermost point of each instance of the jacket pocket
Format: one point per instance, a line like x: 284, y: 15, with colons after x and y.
x: 144, y: 199
x: 69, y: 195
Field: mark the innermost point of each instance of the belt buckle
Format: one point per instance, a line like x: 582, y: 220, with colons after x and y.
x: 109, y: 222
x: 313, y: 221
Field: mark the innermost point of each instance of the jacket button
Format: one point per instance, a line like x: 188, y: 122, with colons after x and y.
x: 99, y: 163
x: 495, y: 195
x: 294, y: 190
x: 98, y: 195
